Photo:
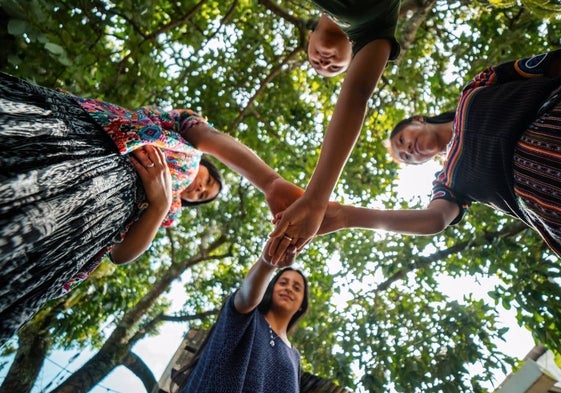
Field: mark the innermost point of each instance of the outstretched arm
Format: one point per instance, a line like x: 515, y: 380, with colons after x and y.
x: 232, y: 153
x: 238, y: 157
x: 156, y: 180
x: 434, y: 219
x: 255, y: 283
x: 301, y: 220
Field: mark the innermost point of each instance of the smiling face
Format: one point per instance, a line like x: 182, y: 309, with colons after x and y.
x: 289, y: 292
x: 203, y: 188
x: 416, y: 143
x: 329, y: 49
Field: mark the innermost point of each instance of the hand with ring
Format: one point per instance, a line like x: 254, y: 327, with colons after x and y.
x: 150, y: 164
x: 286, y: 259
x: 295, y: 227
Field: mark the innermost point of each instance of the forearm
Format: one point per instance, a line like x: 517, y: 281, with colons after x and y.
x: 340, y: 137
x: 412, y: 222
x: 232, y: 153
x: 139, y: 236
x: 253, y: 287
x: 348, y: 117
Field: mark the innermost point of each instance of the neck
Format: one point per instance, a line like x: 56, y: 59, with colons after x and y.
x: 326, y: 24
x: 278, y: 323
x: 444, y: 132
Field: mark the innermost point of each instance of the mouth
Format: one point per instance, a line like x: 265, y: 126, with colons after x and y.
x: 416, y: 147
x: 192, y: 186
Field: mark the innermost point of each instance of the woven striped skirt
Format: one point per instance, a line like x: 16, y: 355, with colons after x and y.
x: 65, y: 195
x: 537, y: 172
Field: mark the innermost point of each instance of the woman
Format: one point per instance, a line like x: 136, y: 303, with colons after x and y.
x: 502, y: 146
x: 248, y: 348
x: 69, y: 188
x: 356, y: 37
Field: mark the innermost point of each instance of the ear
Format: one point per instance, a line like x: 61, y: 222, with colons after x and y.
x: 419, y: 118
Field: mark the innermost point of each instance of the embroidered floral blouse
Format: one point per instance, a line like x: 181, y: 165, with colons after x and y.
x: 151, y: 125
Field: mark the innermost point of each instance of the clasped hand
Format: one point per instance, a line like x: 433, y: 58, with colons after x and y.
x: 297, y: 217
x: 150, y: 164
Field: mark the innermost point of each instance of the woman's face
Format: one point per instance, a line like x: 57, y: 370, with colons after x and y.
x: 288, y: 292
x: 329, y: 54
x: 203, y: 188
x: 415, y: 143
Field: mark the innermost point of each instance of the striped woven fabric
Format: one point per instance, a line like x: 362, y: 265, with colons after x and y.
x: 537, y: 173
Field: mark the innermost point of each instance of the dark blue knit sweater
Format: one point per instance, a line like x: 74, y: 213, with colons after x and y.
x: 239, y: 358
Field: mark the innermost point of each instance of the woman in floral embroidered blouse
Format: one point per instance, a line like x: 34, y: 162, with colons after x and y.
x: 69, y: 187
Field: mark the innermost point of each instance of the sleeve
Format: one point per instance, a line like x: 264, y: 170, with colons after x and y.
x: 525, y: 68
x: 174, y: 212
x: 440, y: 191
x: 187, y: 118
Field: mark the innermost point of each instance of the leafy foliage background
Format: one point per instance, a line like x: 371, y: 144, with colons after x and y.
x: 242, y: 63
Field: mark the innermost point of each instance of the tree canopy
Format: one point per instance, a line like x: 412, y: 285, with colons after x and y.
x: 378, y: 319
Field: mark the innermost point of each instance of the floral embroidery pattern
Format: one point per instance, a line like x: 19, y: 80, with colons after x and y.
x: 151, y: 125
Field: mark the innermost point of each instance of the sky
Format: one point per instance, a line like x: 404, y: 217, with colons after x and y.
x: 157, y: 351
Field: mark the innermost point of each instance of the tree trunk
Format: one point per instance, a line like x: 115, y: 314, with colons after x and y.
x: 34, y: 343
x: 118, y: 345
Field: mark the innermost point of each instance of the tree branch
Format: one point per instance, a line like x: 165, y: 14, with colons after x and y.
x: 134, y: 363
x: 272, y: 74
x: 418, y: 10
x: 421, y: 262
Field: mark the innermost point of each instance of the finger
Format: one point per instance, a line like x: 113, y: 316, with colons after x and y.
x: 271, y: 246
x: 280, y: 228
x: 290, y: 256
x: 301, y: 243
x: 284, y: 244
x: 159, y: 157
x: 145, y: 160
x: 299, y: 248
x: 154, y: 154
x: 151, y: 157
x: 137, y: 165
x: 277, y: 217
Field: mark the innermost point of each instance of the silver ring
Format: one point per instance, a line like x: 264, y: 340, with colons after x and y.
x: 151, y: 165
x: 287, y: 237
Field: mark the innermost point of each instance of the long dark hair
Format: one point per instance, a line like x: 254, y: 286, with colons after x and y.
x: 212, y: 171
x: 180, y: 376
x: 266, y: 302
x: 444, y: 117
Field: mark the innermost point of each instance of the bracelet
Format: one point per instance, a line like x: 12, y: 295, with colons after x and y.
x: 266, y: 262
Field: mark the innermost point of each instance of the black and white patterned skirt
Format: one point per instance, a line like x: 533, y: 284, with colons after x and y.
x: 65, y: 194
